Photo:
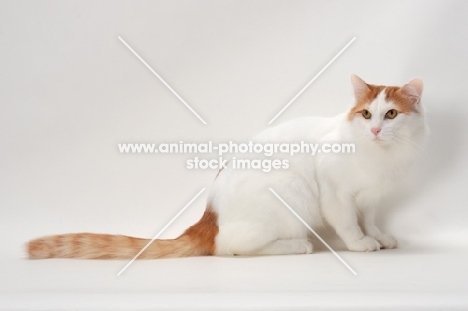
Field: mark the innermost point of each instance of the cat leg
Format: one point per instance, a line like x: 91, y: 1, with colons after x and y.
x: 244, y: 238
x: 385, y: 240
x: 286, y: 247
x: 340, y: 212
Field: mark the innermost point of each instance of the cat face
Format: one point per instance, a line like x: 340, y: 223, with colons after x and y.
x: 386, y: 114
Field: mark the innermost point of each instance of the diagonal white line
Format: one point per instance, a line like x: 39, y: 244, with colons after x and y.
x: 313, y: 79
x: 161, y: 231
x: 162, y: 80
x: 313, y: 231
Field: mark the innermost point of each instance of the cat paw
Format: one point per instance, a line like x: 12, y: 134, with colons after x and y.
x: 308, y: 247
x: 387, y: 241
x: 366, y: 244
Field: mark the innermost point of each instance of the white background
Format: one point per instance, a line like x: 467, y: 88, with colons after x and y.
x: 70, y: 91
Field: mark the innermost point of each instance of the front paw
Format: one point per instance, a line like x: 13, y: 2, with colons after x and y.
x: 308, y: 247
x: 387, y: 241
x: 366, y: 244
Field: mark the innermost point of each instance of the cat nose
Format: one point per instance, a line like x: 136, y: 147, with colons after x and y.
x: 375, y: 130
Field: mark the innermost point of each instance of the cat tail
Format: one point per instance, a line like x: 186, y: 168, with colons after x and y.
x: 198, y: 240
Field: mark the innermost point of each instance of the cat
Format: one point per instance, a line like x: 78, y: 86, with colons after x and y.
x: 386, y: 124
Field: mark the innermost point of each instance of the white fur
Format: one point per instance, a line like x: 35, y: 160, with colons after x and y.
x: 339, y: 189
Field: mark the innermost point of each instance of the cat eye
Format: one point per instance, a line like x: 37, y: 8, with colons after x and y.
x: 391, y: 114
x: 366, y: 114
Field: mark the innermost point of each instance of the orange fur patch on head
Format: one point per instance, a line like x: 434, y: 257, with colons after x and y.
x: 365, y: 99
x: 403, y: 103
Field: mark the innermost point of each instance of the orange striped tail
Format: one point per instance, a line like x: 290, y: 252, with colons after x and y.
x: 198, y: 240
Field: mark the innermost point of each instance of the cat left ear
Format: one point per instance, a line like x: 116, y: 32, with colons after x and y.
x: 413, y: 90
x: 360, y: 87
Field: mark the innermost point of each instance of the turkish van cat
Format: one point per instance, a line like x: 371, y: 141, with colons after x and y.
x: 386, y: 124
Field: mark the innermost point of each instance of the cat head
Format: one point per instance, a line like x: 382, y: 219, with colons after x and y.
x: 387, y: 114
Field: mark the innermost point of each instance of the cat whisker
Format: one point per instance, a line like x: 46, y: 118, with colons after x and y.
x: 411, y: 143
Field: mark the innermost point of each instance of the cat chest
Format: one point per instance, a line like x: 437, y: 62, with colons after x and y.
x: 372, y: 187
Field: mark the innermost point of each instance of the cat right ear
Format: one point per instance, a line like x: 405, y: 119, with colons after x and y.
x: 360, y: 87
x: 413, y: 90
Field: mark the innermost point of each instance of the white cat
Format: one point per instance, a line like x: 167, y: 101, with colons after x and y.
x: 387, y: 126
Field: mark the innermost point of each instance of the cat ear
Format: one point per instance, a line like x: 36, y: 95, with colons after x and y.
x: 413, y: 90
x: 360, y: 87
